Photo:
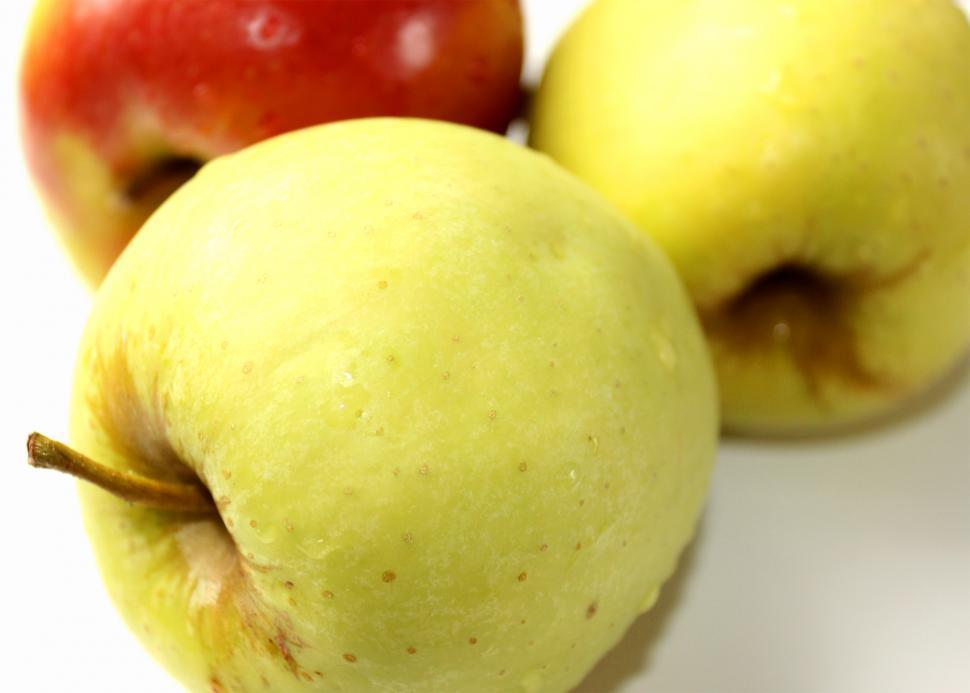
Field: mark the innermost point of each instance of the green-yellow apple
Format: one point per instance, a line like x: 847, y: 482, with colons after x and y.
x: 456, y: 417
x: 123, y: 100
x: 806, y: 165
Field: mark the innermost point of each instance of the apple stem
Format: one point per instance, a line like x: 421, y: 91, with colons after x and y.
x: 134, y: 488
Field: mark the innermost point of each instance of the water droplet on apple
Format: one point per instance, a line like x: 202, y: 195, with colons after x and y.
x: 269, y: 28
x: 267, y: 534
x: 415, y: 43
x: 665, y: 350
x: 349, y: 402
x: 315, y: 549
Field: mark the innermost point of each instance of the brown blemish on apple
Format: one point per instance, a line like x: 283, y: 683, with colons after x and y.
x: 806, y: 314
x: 210, y: 562
x: 412, y: 650
x: 523, y: 576
x: 215, y: 686
x: 388, y: 576
x: 591, y: 610
x: 350, y: 657
x: 283, y: 645
x: 134, y: 423
x: 269, y: 631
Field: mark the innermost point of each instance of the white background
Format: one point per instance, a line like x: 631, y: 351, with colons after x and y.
x: 838, y: 565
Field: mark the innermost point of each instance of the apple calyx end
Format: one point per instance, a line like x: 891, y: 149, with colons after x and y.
x: 804, y: 313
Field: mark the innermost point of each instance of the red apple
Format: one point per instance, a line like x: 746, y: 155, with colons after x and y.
x: 122, y: 101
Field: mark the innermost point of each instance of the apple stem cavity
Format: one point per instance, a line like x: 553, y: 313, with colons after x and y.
x: 165, y: 495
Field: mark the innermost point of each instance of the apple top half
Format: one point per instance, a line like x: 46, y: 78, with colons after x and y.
x: 806, y: 166
x: 456, y: 415
x: 122, y: 101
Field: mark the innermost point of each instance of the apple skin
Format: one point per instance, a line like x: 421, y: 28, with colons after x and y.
x: 121, y: 100
x: 457, y: 415
x: 806, y: 166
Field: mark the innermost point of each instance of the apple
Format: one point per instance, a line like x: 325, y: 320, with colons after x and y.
x: 123, y: 101
x: 806, y: 166
x: 389, y: 404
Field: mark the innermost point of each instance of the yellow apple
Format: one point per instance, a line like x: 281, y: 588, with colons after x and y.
x: 456, y: 417
x: 806, y: 165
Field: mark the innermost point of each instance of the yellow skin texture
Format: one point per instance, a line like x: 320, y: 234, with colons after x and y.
x: 457, y: 414
x: 744, y: 136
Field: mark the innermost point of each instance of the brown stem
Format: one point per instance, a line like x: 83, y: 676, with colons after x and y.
x: 134, y: 488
